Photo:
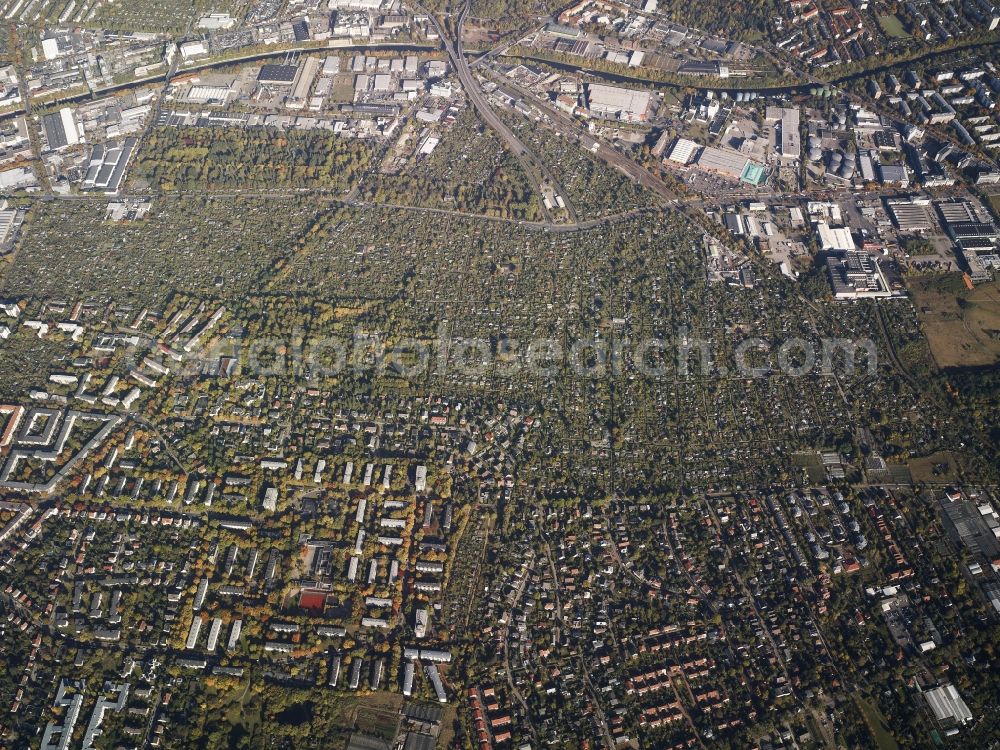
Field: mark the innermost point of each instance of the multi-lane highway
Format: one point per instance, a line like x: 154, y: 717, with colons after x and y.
x: 535, y: 169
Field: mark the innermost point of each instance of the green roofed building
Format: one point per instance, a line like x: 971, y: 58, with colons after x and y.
x: 753, y: 174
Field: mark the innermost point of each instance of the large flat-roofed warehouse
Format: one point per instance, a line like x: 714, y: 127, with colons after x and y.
x: 202, y: 94
x: 947, y: 705
x: 277, y: 75
x: 972, y: 526
x: 731, y: 164
x: 628, y: 105
x: 912, y: 215
x: 834, y: 238
x: 60, y: 129
x: 683, y: 151
x: 728, y: 163
x: 382, y: 82
x: 855, y: 275
x: 108, y: 163
x: 785, y: 122
x: 702, y: 68
x: 968, y: 230
x: 893, y: 174
x: 954, y: 212
x: 7, y: 217
x: 303, y: 81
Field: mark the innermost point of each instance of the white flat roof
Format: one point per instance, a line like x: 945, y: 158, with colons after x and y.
x: 835, y: 238
x: 683, y: 151
x: 614, y: 99
x: 947, y: 704
x: 69, y: 125
x: 720, y: 160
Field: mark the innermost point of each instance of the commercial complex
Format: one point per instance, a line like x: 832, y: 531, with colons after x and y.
x: 856, y: 275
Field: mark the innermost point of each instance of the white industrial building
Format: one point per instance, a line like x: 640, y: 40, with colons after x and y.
x: 190, y: 50
x: 723, y: 161
x: 947, y: 705
x: 50, y: 48
x: 784, y: 122
x: 201, y: 94
x: 331, y: 66
x: 18, y: 178
x: 7, y: 217
x: 834, y: 238
x: 383, y: 82
x: 683, y: 152
x: 628, y: 105
x: 216, y: 22
x: 912, y: 214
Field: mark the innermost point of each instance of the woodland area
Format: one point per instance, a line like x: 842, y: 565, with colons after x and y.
x: 211, y: 158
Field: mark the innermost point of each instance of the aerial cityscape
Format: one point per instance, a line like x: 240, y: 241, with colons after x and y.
x: 499, y: 374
